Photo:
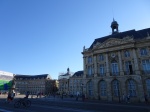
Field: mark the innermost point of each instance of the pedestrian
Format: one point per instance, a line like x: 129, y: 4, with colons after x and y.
x: 83, y: 97
x: 62, y: 95
x: 77, y: 96
x: 12, y: 95
x: 128, y: 98
x: 8, y: 97
x: 123, y: 98
x: 146, y: 98
x: 37, y: 94
x: 27, y: 94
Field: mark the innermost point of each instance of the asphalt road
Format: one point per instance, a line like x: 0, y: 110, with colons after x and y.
x: 70, y: 105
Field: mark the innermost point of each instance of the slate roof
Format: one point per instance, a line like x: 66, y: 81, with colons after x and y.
x: 78, y: 73
x: 17, y: 76
x: 140, y: 34
x: 67, y: 74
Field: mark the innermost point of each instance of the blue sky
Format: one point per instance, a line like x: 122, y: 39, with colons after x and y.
x: 47, y: 36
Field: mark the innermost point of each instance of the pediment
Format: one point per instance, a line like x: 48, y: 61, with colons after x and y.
x: 113, y: 42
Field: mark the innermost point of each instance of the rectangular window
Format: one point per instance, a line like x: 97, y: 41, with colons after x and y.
x: 128, y: 68
x: 101, y: 57
x: 146, y: 66
x: 90, y: 70
x: 102, y: 72
x: 89, y: 59
x: 127, y: 54
x: 115, y: 70
x: 143, y: 51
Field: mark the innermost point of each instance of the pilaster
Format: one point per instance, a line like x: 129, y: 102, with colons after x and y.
x: 107, y: 66
x: 95, y: 66
x: 136, y: 65
x: 120, y: 63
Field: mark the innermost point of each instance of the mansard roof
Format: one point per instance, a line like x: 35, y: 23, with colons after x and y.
x: 18, y: 76
x: 78, y: 73
x: 140, y: 34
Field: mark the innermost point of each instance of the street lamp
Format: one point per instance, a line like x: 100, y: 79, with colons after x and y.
x: 118, y: 91
x: 82, y: 87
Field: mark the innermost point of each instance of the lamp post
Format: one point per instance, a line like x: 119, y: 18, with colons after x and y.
x: 82, y: 87
x: 118, y: 91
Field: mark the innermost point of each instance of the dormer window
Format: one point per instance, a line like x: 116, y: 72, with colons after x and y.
x: 127, y: 54
x: 143, y: 51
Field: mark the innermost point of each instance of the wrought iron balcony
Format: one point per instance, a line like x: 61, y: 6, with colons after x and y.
x: 114, y: 73
x: 145, y: 72
x: 129, y: 73
x: 101, y: 74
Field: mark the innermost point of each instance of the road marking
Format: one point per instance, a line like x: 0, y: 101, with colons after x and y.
x: 3, y: 110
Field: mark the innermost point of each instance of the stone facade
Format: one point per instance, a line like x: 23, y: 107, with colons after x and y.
x: 35, y: 84
x: 118, y: 65
x: 64, y: 82
x: 76, y: 83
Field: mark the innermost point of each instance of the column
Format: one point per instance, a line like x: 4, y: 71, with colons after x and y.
x: 107, y: 66
x: 136, y: 62
x: 95, y: 66
x: 120, y: 63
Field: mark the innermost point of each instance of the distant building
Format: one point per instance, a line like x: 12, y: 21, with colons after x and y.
x: 117, y: 65
x: 64, y: 82
x: 76, y: 83
x: 33, y: 83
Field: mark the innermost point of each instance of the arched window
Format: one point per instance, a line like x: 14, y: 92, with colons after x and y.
x: 131, y: 88
x: 90, y: 88
x: 103, y: 88
x: 148, y: 87
x: 115, y: 87
x: 114, y: 68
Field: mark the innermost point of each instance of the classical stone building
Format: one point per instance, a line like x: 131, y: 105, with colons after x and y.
x: 35, y: 84
x: 64, y: 82
x: 117, y: 65
x: 76, y: 83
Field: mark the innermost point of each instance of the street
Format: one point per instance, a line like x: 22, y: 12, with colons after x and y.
x: 70, y: 105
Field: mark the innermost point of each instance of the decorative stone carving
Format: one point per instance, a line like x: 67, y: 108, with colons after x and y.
x: 113, y: 42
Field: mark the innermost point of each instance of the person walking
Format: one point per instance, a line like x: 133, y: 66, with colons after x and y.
x: 146, y: 98
x: 83, y: 97
x: 128, y: 98
x: 77, y: 96
x: 27, y: 94
x: 123, y: 97
x: 12, y: 95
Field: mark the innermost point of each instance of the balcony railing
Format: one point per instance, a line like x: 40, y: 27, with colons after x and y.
x: 129, y: 73
x: 114, y: 73
x: 101, y: 74
x: 145, y: 72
